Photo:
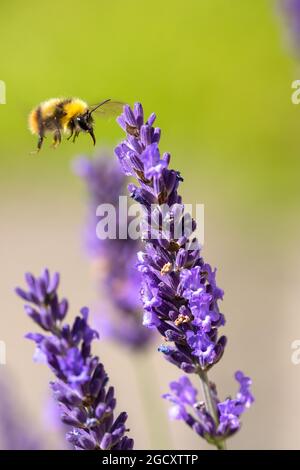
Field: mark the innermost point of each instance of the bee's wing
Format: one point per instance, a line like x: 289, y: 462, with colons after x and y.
x: 108, y: 108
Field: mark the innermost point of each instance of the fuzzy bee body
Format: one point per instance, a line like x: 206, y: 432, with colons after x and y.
x: 58, y: 116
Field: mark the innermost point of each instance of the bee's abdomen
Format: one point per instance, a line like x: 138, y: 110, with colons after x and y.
x: 41, y: 119
x: 34, y: 121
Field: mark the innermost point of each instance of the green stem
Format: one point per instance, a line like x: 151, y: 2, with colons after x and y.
x: 211, y: 406
x: 221, y: 445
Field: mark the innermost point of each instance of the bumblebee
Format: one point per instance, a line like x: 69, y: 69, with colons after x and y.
x: 69, y: 116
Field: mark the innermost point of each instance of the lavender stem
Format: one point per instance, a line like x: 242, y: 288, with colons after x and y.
x: 210, y: 405
x: 209, y: 402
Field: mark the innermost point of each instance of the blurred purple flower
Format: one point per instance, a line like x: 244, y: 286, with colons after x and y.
x: 114, y: 258
x: 291, y: 11
x: 179, y: 291
x: 80, y: 388
x: 15, y: 426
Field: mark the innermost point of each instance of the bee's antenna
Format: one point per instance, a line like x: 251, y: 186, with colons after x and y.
x: 98, y: 105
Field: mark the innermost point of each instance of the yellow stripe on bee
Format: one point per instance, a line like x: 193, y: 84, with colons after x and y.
x: 73, y: 109
x: 33, y: 122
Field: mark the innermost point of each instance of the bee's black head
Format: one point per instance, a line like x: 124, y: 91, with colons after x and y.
x: 85, y: 123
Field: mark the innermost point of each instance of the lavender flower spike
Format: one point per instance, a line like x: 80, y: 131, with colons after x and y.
x: 179, y: 291
x: 81, y: 386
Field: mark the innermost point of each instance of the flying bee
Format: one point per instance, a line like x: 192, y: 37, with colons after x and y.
x: 69, y: 116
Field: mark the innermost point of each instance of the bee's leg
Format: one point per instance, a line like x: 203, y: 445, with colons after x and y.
x: 40, y: 142
x: 75, y: 136
x: 71, y: 128
x: 39, y: 145
x: 72, y: 132
x: 56, y: 138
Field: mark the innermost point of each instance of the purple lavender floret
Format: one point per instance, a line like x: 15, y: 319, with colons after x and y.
x: 179, y: 291
x: 81, y: 386
x: 116, y: 258
x: 187, y: 407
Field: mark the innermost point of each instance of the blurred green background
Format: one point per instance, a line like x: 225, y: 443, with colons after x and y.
x: 215, y: 72
x: 218, y: 74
